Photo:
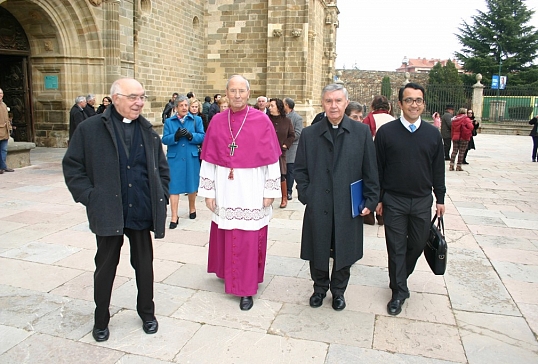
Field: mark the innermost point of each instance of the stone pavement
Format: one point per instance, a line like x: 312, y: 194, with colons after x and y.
x: 483, y: 310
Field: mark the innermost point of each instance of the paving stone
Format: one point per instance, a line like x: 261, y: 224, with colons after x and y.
x: 324, y: 324
x: 81, y: 287
x: 284, y: 266
x: 473, y: 285
x: 224, y: 345
x: 126, y: 335
x: 40, y: 252
x: 280, y: 234
x: 431, y: 340
x: 223, y: 310
x: 517, y: 271
x: 351, y: 354
x: 513, y: 242
x: 167, y: 298
x: 496, y: 339
x: 34, y: 276
x: 512, y: 255
x: 479, y: 212
x: 530, y: 312
x: 196, y: 277
x: 522, y: 292
x: 285, y: 249
x: 138, y: 359
x: 40, y: 348
x: 11, y: 336
x: 181, y: 253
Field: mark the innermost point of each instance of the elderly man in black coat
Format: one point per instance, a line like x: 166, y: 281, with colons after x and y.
x: 332, y: 154
x: 115, y: 166
x: 77, y: 114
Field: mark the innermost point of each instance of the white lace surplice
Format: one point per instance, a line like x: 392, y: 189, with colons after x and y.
x: 240, y: 201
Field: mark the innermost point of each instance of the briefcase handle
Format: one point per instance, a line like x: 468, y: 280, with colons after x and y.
x: 440, y: 224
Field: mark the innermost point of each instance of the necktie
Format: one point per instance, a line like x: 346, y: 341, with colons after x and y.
x: 412, y: 127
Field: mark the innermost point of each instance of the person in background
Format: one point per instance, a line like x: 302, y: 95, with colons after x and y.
x: 262, y: 104
x: 169, y: 107
x: 471, y: 144
x: 436, y: 120
x: 5, y: 131
x: 77, y: 114
x: 297, y: 123
x: 461, y: 130
x: 285, y: 135
x: 318, y: 118
x: 379, y: 115
x: 534, y: 135
x: 205, y: 108
x: 446, y: 127
x: 223, y: 104
x: 182, y: 134
x: 191, y: 95
x: 332, y: 154
x: 115, y: 166
x: 104, y: 104
x: 214, y: 108
x: 239, y: 179
x: 410, y: 163
x: 354, y: 110
x: 89, y: 109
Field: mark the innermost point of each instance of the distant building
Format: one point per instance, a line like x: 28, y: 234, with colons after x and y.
x: 423, y: 65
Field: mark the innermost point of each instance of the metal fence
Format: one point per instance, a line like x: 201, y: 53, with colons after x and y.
x: 511, y: 104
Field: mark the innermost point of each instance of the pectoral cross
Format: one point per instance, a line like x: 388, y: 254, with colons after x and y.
x: 232, y: 147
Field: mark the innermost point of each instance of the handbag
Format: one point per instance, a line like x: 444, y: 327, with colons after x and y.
x: 436, y: 248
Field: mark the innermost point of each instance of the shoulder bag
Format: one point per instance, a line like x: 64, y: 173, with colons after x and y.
x: 436, y: 248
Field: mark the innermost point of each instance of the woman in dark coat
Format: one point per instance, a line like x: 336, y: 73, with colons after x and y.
x: 286, y: 136
x: 534, y: 135
x: 104, y: 104
x: 476, y: 125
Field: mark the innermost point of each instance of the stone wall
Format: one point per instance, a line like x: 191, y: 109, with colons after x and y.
x: 285, y: 49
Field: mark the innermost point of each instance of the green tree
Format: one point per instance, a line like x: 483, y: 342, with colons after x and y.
x: 386, y: 90
x: 444, y: 87
x: 502, y: 33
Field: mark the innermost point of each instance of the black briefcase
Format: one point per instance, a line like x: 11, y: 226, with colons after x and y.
x: 436, y: 248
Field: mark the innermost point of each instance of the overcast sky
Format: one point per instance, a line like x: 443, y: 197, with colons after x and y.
x: 376, y: 35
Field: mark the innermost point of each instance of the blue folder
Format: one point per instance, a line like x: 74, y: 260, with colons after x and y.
x: 357, y: 198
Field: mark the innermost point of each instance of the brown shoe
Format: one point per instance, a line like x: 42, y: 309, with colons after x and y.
x: 1, y: 171
x: 458, y: 168
x: 451, y: 168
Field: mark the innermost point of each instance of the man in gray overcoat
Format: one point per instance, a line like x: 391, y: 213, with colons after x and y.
x: 115, y: 166
x: 332, y: 154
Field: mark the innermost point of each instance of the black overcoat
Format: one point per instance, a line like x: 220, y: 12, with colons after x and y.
x: 324, y: 171
x: 92, y: 174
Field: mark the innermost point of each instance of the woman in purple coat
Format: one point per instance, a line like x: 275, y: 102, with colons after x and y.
x: 182, y: 134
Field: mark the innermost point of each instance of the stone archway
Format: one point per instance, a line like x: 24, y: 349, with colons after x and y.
x: 65, y: 60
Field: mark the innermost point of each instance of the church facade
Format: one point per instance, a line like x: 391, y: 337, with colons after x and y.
x: 54, y: 50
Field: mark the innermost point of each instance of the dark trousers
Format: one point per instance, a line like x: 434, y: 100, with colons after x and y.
x: 337, y: 282
x: 106, y: 263
x: 407, y: 224
x: 534, y: 146
x: 289, y: 177
x: 447, y: 142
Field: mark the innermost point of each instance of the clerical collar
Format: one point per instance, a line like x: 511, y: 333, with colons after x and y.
x: 119, y: 117
x: 332, y: 125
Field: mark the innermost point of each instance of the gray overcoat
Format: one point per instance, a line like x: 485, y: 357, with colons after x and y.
x: 297, y: 122
x: 324, y: 171
x: 92, y: 174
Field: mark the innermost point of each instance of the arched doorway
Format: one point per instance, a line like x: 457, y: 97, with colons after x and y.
x: 15, y: 75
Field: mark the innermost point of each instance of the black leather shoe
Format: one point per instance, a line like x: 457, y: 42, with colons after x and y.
x: 289, y: 197
x: 464, y: 162
x: 173, y: 225
x: 246, y: 303
x: 150, y: 327
x: 100, y: 334
x: 339, y: 303
x: 394, y: 307
x: 316, y: 300
x: 192, y: 215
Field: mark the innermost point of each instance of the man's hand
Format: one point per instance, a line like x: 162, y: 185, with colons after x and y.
x: 439, y: 210
x: 365, y: 211
x: 379, y: 209
x: 211, y: 204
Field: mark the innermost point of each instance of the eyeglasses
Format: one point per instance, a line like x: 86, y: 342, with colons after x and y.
x: 418, y: 101
x: 142, y: 98
x: 240, y: 91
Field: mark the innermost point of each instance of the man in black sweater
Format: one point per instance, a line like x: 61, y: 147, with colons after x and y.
x: 410, y: 162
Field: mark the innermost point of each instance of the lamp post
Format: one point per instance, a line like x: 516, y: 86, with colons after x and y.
x: 497, y: 117
x: 405, y: 62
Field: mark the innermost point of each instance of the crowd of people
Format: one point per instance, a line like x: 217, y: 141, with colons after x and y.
x: 243, y: 158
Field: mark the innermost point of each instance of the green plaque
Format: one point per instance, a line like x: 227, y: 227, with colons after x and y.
x: 51, y: 82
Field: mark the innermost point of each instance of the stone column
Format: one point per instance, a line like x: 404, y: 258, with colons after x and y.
x: 478, y: 98
x: 111, y: 40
